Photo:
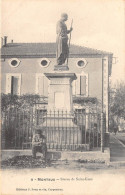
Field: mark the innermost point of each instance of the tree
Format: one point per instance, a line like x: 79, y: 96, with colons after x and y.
x: 117, y: 102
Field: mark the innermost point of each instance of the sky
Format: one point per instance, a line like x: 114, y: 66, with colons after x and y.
x: 98, y: 24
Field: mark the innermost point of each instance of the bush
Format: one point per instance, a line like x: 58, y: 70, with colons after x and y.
x: 23, y: 101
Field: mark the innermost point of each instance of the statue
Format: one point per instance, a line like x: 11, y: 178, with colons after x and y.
x: 62, y: 40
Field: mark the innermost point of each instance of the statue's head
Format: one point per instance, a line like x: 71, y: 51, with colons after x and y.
x: 64, y: 16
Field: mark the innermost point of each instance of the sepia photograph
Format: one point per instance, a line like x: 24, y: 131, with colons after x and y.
x: 62, y: 97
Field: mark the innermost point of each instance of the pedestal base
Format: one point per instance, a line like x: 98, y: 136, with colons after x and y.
x: 61, y: 130
x: 61, y: 67
x: 59, y: 121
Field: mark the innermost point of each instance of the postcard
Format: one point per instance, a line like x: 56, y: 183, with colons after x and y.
x: 62, y: 97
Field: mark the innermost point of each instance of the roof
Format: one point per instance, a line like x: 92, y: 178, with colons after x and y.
x: 46, y: 49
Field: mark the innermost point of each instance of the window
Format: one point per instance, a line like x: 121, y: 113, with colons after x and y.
x: 80, y: 86
x: 41, y: 84
x: 81, y: 63
x: 44, y: 62
x: 13, y: 84
x: 14, y: 62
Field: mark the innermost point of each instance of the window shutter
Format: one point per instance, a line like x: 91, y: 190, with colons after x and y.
x: 19, y: 85
x: 46, y: 86
x: 82, y: 85
x: 74, y: 87
x: 8, y: 84
x: 78, y: 85
x: 40, y: 85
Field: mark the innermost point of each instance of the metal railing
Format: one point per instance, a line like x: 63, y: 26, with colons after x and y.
x: 76, y: 131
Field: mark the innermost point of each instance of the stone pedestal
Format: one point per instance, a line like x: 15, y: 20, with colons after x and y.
x: 59, y: 121
x: 60, y: 90
x: 61, y: 68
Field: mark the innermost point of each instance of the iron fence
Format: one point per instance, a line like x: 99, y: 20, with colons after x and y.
x: 78, y: 130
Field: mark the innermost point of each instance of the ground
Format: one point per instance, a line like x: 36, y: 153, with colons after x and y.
x: 121, y: 137
x: 23, y: 173
x: 117, y: 149
x: 27, y: 162
x: 65, y: 178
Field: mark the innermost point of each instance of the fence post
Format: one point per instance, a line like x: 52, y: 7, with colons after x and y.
x: 3, y: 131
x: 102, y: 132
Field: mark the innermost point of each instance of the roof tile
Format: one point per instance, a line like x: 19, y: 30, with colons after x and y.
x: 36, y: 49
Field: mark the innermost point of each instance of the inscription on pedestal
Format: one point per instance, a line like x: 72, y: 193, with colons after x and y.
x: 59, y: 100
x: 59, y: 81
x: 60, y: 90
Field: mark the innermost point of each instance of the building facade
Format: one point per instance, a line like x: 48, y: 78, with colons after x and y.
x: 23, y: 66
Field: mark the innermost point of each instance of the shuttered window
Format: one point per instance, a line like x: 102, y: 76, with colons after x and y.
x: 80, y: 86
x: 13, y: 84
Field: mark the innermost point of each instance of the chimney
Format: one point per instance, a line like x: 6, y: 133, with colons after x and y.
x: 5, y: 41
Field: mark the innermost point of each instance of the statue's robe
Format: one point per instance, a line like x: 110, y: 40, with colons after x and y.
x: 62, y: 42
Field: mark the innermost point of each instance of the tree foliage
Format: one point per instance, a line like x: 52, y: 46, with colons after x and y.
x: 23, y: 101
x: 117, y: 100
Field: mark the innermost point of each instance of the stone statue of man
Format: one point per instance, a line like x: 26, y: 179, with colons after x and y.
x: 62, y: 40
